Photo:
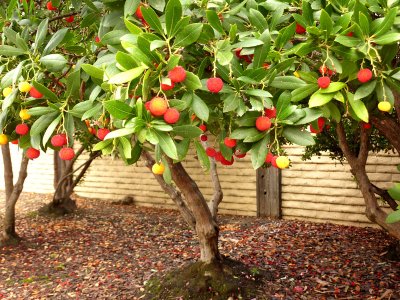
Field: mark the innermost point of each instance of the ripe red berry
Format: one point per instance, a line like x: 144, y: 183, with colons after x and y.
x: 50, y: 6
x: 300, y: 29
x: 66, y: 153
x: 270, y: 112
x: 218, y: 156
x: 32, y: 153
x: 167, y: 87
x: 59, y: 140
x: 147, y: 105
x: 324, y: 70
x: 324, y: 82
x: 177, y: 74
x: 238, y: 154
x: 268, y: 157
x: 15, y: 142
x: 203, y: 127
x: 203, y: 138
x: 35, y: 93
x: 230, y: 143
x: 226, y: 162
x: 102, y: 132
x: 364, y: 75
x: 273, y: 161
x: 263, y: 123
x: 237, y: 52
x: 215, y: 84
x: 211, y: 152
x: 350, y: 34
x: 97, y: 39
x: 138, y: 11
x: 158, y: 106
x: 171, y: 116
x: 321, y: 125
x: 69, y: 19
x: 366, y: 125
x: 266, y: 66
x: 22, y: 129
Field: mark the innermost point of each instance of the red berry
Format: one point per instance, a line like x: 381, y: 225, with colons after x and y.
x: 35, y: 93
x: 321, y: 125
x: 102, y: 132
x: 203, y: 138
x: 263, y: 123
x: 50, y: 6
x: 215, y: 84
x: 158, y: 106
x: 218, y: 156
x: 364, y: 75
x: 177, y: 74
x: 350, y: 34
x: 324, y: 82
x: 268, y: 157
x: 324, y: 70
x: 237, y: 53
x: 92, y: 130
x: 22, y: 129
x: 266, y: 66
x: 97, y: 39
x: 32, y: 153
x: 147, y: 105
x: 211, y: 152
x: 270, y: 112
x: 366, y: 125
x: 230, y: 143
x: 69, y: 19
x: 203, y: 127
x: 166, y: 87
x: 238, y: 154
x: 138, y: 11
x: 300, y: 29
x: 273, y: 161
x: 66, y: 153
x: 313, y: 130
x: 59, y: 140
x: 226, y: 162
x: 171, y: 116
x: 15, y: 142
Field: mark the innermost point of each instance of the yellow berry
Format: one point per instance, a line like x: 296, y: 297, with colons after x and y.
x: 24, y: 87
x: 158, y: 169
x: 7, y: 91
x: 282, y: 162
x: 3, y: 139
x: 24, y: 115
x: 384, y: 106
x: 296, y: 74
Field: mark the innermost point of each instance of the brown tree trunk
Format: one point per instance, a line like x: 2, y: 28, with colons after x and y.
x: 9, y: 235
x: 206, y: 228
x: 358, y: 163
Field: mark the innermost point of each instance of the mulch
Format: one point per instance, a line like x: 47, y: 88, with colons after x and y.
x: 107, y: 251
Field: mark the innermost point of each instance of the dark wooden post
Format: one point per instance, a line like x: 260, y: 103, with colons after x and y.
x: 269, y: 193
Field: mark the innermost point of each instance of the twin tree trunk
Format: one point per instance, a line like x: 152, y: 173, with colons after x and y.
x: 9, y: 235
x: 193, y: 207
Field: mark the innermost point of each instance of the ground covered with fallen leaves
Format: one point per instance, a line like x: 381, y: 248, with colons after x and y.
x: 107, y: 251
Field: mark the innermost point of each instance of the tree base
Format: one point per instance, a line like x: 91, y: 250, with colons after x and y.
x: 58, y: 208
x: 393, y: 251
x: 200, y: 281
x: 9, y: 239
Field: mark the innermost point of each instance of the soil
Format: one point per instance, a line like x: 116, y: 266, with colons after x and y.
x: 106, y: 251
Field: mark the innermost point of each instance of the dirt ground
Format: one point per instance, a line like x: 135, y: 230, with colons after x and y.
x: 107, y: 251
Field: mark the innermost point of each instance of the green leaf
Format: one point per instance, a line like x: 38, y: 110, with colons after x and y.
x: 318, y: 99
x: 258, y: 93
x: 41, y: 34
x: 303, y: 92
x: 259, y: 151
x: 387, y: 23
x: 192, y: 81
x: 39, y: 111
x: 55, y: 40
x: 242, y: 133
x: 214, y: 21
x: 45, y: 91
x: 152, y: 19
x: 119, y: 133
x: 101, y: 145
x: 187, y: 131
x: 118, y: 109
x: 364, y: 24
x: 92, y: 111
x: 261, y: 52
x: 202, y: 156
x: 188, y: 35
x: 167, y: 144
x: 285, y: 35
x: 130, y: 7
x: 231, y: 103
x: 365, y: 90
x: 348, y: 41
x: 393, y: 217
x: 11, y: 51
x: 200, y: 108
x: 113, y: 37
x: 287, y: 82
x: 173, y: 13
x: 358, y: 107
x: 258, y: 20
x: 311, y: 114
x: 93, y: 71
x: 126, y: 147
x: 298, y: 136
x: 50, y: 129
x: 42, y: 123
x: 127, y: 76
x: 389, y: 38
x: 132, y: 27
x: 326, y: 23
x: 73, y: 85
x: 9, y: 100
x: 54, y: 62
x: 333, y: 87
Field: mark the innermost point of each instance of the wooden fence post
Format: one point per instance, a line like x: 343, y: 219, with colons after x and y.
x: 269, y: 193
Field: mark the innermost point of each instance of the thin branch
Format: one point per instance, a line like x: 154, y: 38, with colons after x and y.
x: 59, y: 17
x: 385, y: 196
x: 364, y: 142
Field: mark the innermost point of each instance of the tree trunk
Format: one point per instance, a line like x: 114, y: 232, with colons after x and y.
x: 206, y: 228
x: 358, y: 163
x: 9, y: 235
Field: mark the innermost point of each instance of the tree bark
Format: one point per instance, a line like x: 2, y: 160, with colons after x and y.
x: 9, y: 235
x: 357, y: 163
x: 174, y: 194
x: 206, y: 228
x: 388, y: 127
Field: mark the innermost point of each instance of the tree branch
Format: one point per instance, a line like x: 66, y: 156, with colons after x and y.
x: 385, y: 196
x: 8, y: 170
x: 364, y: 142
x: 62, y: 16
x: 174, y: 194
x: 388, y: 127
x: 344, y: 146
